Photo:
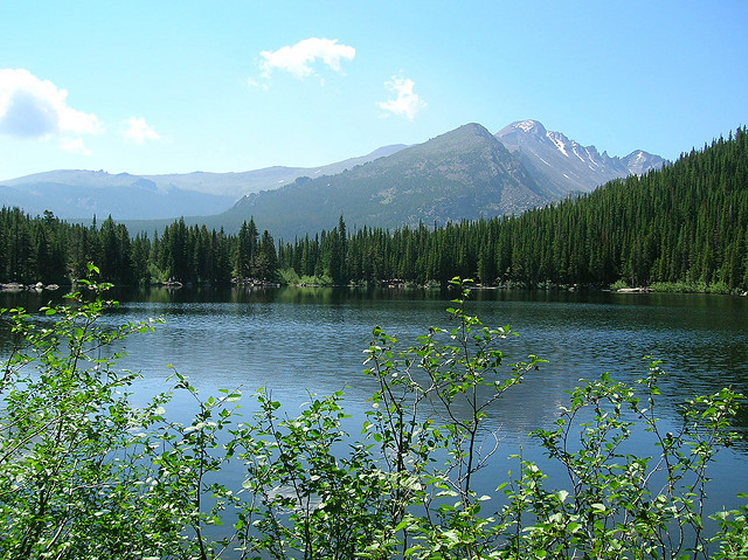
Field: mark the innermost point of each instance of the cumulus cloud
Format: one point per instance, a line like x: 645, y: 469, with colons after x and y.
x: 406, y: 102
x: 138, y: 131
x: 299, y: 59
x: 34, y: 108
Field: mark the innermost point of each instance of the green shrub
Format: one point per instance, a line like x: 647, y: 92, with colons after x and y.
x: 323, y: 280
x: 288, y: 277
x: 685, y: 287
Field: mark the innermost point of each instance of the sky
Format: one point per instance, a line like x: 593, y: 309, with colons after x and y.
x: 232, y: 85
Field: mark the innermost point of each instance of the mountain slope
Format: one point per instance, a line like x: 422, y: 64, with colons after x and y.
x: 463, y: 174
x: 237, y: 185
x: 79, y: 194
x: 563, y: 166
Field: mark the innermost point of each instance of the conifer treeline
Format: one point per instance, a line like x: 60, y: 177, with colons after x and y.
x: 48, y: 250
x: 685, y: 223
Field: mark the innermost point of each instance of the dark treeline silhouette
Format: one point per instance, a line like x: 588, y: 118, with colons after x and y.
x: 46, y: 249
x: 687, y: 222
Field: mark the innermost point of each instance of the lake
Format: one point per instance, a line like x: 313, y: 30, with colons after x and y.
x: 299, y: 340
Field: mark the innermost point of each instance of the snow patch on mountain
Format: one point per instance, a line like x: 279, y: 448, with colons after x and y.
x: 527, y: 126
x: 574, y: 147
x: 558, y: 141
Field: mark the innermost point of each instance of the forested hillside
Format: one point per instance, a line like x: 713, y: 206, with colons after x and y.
x: 686, y: 223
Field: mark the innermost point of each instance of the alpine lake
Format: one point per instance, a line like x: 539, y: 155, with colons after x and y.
x: 296, y: 341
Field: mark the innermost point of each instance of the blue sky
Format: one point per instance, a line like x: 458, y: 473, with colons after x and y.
x: 166, y: 87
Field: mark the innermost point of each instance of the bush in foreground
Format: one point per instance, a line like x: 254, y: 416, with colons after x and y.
x: 84, y: 474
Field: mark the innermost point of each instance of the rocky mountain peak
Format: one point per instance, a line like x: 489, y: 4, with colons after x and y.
x: 640, y: 162
x: 563, y: 165
x: 470, y: 129
x: 459, y: 140
x: 528, y: 126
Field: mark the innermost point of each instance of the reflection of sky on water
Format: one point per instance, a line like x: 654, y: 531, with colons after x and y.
x: 294, y: 341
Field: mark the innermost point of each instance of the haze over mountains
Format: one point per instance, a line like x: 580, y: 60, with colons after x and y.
x: 79, y: 194
x: 466, y: 173
x: 236, y: 185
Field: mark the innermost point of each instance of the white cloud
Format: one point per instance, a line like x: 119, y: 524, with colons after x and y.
x: 298, y: 59
x: 35, y: 108
x: 139, y: 131
x: 406, y: 103
x: 75, y: 146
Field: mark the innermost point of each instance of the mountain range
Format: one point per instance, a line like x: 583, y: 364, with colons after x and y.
x: 466, y: 173
x: 80, y: 194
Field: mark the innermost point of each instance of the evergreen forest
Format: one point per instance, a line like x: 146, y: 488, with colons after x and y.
x: 684, y: 225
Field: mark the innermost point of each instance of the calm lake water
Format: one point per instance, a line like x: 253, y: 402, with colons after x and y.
x: 294, y: 341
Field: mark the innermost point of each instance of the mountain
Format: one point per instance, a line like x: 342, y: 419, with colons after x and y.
x: 563, y: 166
x: 463, y: 174
x: 79, y: 194
x: 73, y: 194
x: 237, y: 185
